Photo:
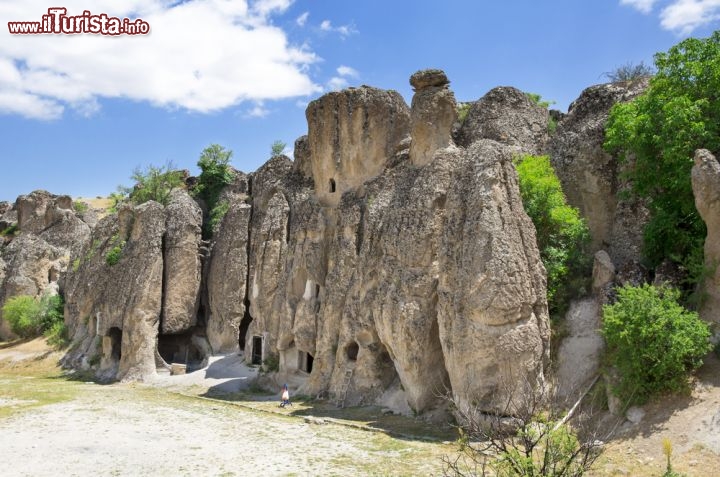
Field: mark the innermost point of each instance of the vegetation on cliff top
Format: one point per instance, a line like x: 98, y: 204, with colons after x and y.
x: 661, y: 130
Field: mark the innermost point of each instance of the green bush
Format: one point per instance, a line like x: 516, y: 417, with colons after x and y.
x: 216, y: 173
x: 57, y: 335
x: 653, y: 341
x: 217, y: 214
x: 562, y: 235
x: 277, y: 148
x: 12, y: 230
x: 113, y: 255
x: 80, y: 206
x: 152, y: 183
x: 662, y: 129
x: 29, y: 316
x: 23, y: 313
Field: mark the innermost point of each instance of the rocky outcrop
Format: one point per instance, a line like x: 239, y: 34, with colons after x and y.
x: 591, y: 178
x: 508, y: 116
x: 227, y: 277
x: 182, y: 265
x: 385, y: 264
x: 38, y: 252
x: 355, y: 132
x: 706, y: 187
x: 115, y: 306
x: 433, y: 113
x: 380, y: 290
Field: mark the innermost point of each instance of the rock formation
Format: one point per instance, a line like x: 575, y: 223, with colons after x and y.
x: 48, y: 233
x: 706, y: 187
x: 509, y: 116
x: 385, y: 263
x: 591, y: 178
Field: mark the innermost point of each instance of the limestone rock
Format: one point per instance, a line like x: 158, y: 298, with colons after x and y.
x: 118, y: 305
x: 301, y: 154
x: 432, y: 115
x: 182, y: 263
x: 706, y: 187
x: 351, y: 135
x: 227, y: 277
x: 603, y: 271
x: 507, y: 115
x: 428, y: 78
x: 49, y: 231
x: 590, y: 177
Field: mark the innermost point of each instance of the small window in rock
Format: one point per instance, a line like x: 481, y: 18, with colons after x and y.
x: 352, y: 350
x: 332, y: 185
x: 317, y: 290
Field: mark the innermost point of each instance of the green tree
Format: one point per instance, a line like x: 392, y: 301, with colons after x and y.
x: 562, y: 235
x: 661, y: 129
x: 153, y: 183
x: 277, y: 148
x: 653, y: 341
x: 216, y: 173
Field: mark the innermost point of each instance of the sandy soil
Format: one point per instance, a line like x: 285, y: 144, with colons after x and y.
x: 145, y: 430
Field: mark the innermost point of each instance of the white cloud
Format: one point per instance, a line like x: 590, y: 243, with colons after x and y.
x: 347, y: 71
x: 302, y: 19
x: 257, y: 111
x: 266, y: 7
x: 684, y: 16
x: 200, y: 55
x: 336, y: 83
x: 644, y: 6
x: 343, y: 30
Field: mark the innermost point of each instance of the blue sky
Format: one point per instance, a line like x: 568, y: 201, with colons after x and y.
x: 79, y: 112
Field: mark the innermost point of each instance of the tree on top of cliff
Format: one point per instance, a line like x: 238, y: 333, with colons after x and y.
x: 216, y: 173
x: 153, y: 183
x: 662, y: 129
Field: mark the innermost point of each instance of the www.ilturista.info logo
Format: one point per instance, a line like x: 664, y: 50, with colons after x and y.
x: 57, y: 22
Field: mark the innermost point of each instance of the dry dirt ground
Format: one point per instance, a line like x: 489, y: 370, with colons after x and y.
x: 54, y: 426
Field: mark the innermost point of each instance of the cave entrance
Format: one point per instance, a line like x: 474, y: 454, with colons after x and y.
x: 244, y: 325
x: 257, y: 342
x: 352, y: 350
x: 115, y: 335
x: 179, y: 349
x: 332, y: 187
x: 305, y: 361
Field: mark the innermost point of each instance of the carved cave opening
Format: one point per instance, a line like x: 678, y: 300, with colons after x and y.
x: 179, y: 348
x: 115, y: 335
x: 351, y: 351
x: 256, y: 351
x: 332, y: 186
x: 305, y: 361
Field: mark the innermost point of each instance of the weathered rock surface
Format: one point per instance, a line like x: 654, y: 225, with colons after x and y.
x: 48, y: 233
x: 508, y: 116
x: 381, y: 287
x: 433, y: 113
x: 116, y: 307
x: 354, y: 133
x: 706, y: 187
x: 590, y: 176
x: 227, y: 276
x: 183, y: 268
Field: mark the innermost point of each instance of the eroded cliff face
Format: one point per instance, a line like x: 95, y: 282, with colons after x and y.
x: 592, y: 179
x: 706, y: 188
x: 422, y: 276
x: 386, y: 264
x: 33, y: 258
